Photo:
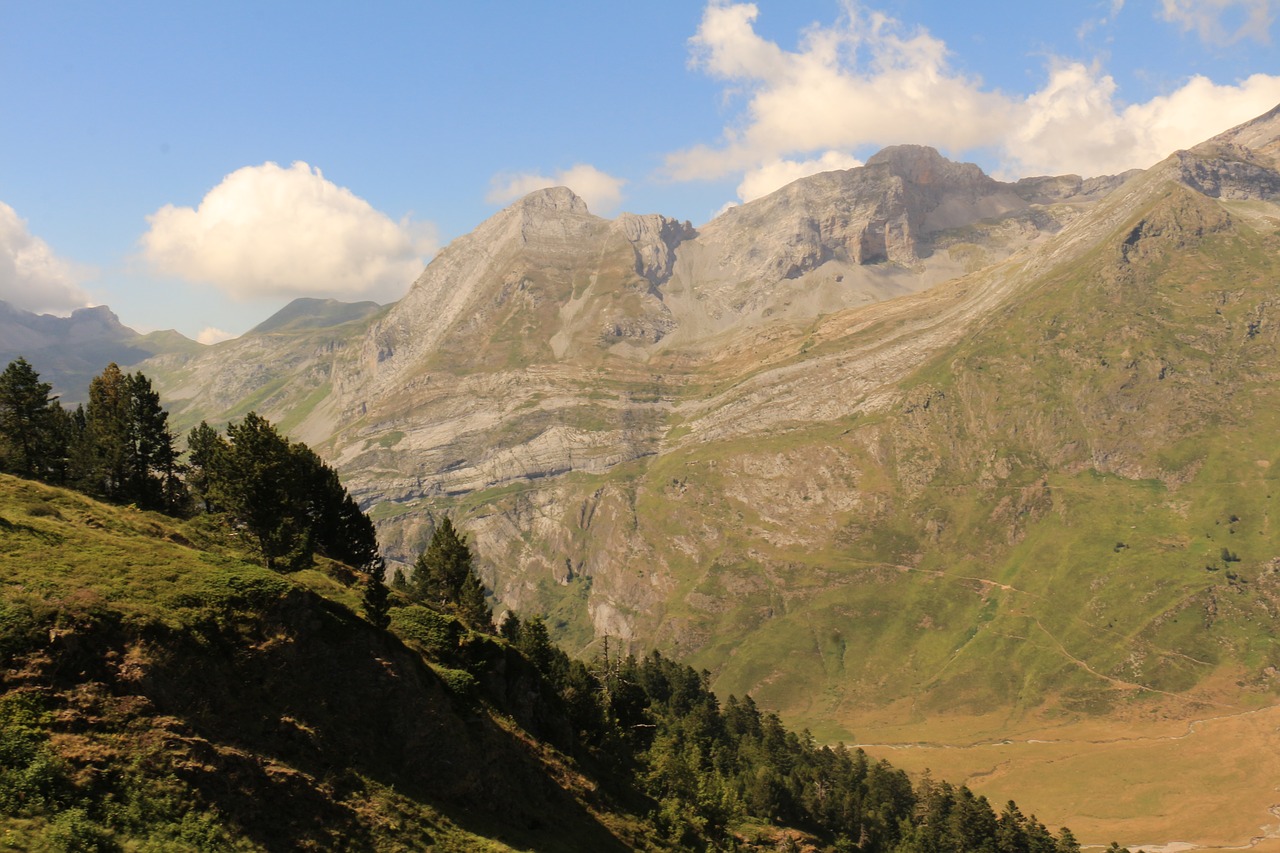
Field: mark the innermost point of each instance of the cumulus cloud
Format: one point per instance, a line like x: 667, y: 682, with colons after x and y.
x: 601, y: 191
x: 1223, y: 22
x: 869, y: 81
x: 213, y: 335
x: 770, y: 176
x: 269, y: 231
x: 32, y: 276
x: 1074, y: 123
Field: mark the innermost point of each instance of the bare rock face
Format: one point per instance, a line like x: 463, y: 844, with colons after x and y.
x: 882, y: 212
x: 655, y: 239
x: 553, y: 222
x: 1069, y: 188
x: 1229, y: 171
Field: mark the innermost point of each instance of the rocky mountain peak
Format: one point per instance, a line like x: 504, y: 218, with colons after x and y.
x: 1261, y: 135
x: 880, y: 213
x: 553, y: 200
x: 924, y: 166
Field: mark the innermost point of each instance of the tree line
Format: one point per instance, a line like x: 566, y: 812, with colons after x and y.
x: 707, y: 766
x: 118, y: 447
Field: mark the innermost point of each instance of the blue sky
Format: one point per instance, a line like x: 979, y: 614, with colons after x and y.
x: 196, y: 166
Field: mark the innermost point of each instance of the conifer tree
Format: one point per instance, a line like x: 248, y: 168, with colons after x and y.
x: 205, y: 451
x: 153, y: 454
x: 32, y: 442
x: 376, y: 597
x: 445, y: 579
x: 285, y: 496
x: 125, y: 450
x: 255, y: 481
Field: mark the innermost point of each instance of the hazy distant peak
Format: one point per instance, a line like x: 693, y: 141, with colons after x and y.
x: 309, y: 313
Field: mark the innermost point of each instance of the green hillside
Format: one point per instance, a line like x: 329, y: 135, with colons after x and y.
x: 161, y: 691
x: 1081, y: 490
x: 170, y: 694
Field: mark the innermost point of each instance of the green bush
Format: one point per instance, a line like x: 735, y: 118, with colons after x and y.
x: 32, y: 778
x: 233, y: 591
x: 20, y: 628
x: 460, y: 682
x: 436, y: 633
x: 73, y: 831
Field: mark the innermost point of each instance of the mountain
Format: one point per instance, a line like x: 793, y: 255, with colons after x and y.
x: 306, y: 313
x: 69, y: 351
x: 902, y: 450
x: 281, y: 368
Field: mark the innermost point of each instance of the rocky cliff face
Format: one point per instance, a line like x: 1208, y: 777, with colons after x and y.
x: 550, y: 342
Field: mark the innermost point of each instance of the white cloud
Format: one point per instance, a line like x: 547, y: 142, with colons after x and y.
x: 770, y: 176
x: 32, y: 277
x: 862, y: 81
x: 868, y: 81
x: 271, y: 231
x: 1074, y: 123
x: 212, y: 335
x: 601, y: 191
x: 1223, y: 22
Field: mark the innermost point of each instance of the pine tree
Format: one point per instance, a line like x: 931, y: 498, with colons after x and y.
x: 285, y: 496
x: 103, y: 463
x: 445, y: 579
x: 206, y: 451
x: 376, y: 597
x: 256, y: 484
x: 153, y: 454
x: 125, y: 450
x: 31, y: 441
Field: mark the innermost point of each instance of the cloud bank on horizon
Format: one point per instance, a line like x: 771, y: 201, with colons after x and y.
x: 869, y: 80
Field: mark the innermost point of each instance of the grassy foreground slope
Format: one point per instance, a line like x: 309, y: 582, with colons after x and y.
x: 163, y: 693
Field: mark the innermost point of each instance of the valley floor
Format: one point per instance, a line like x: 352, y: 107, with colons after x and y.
x: 1167, y: 785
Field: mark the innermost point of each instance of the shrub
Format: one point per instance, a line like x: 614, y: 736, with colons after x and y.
x: 436, y: 633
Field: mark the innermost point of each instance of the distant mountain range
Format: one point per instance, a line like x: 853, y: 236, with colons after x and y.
x: 69, y: 351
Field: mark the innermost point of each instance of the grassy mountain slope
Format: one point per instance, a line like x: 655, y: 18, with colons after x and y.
x: 157, y: 683
x: 283, y: 369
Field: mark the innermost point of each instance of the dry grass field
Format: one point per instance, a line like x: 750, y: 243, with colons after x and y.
x: 1208, y: 783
